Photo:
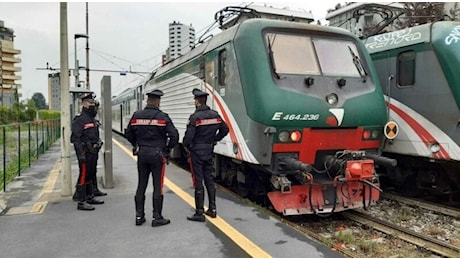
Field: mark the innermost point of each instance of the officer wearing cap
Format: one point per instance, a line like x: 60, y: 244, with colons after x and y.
x: 96, y: 191
x: 85, y: 138
x: 153, y: 132
x: 204, y: 129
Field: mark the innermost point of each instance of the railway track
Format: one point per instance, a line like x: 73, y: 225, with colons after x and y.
x: 448, y: 211
x: 436, y: 246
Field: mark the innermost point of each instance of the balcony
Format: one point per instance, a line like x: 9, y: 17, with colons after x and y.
x: 10, y: 59
x: 10, y: 77
x: 10, y: 68
x: 10, y: 51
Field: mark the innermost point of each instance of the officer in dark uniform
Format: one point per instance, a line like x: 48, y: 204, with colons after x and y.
x: 204, y: 129
x: 86, y: 141
x: 96, y: 190
x: 153, y: 135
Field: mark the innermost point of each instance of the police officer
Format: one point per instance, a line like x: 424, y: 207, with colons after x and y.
x: 86, y: 141
x: 96, y: 191
x: 154, y: 134
x: 204, y: 129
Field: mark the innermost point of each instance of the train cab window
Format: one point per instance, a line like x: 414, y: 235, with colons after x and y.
x: 406, y: 69
x: 221, y: 69
x: 338, y: 57
x: 291, y: 54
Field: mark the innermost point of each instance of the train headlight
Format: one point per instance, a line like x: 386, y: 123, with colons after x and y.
x: 332, y: 99
x: 295, y: 136
x: 435, y: 147
x: 283, y: 136
x: 375, y: 134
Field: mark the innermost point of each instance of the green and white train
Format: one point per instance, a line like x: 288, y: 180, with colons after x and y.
x: 419, y: 71
x: 304, y: 106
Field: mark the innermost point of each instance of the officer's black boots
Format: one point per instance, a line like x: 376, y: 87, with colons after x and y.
x: 198, y: 216
x: 81, y: 194
x: 96, y: 190
x: 158, y: 219
x: 212, y: 212
x: 199, y: 206
x: 139, y: 204
x: 90, y: 195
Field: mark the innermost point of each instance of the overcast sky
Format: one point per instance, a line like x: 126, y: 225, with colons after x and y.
x: 122, y: 35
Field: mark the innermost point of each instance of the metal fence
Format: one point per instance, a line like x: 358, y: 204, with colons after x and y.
x: 23, y: 143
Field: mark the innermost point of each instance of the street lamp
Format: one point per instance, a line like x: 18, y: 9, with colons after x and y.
x: 77, y: 68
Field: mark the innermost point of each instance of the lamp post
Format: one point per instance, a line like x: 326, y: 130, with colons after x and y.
x: 77, y: 68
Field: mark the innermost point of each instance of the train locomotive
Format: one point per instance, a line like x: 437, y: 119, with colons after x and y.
x: 418, y: 71
x: 304, y: 107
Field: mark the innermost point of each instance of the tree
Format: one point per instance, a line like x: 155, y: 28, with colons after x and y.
x: 420, y: 13
x: 39, y: 100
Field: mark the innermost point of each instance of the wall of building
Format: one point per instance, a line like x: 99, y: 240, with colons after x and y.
x: 54, y: 91
x: 181, y: 40
x: 9, y: 77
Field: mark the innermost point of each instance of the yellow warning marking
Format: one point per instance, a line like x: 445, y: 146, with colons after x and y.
x: 247, y: 245
x: 39, y: 206
x: 52, y: 178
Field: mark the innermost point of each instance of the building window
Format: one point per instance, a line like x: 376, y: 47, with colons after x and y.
x: 406, y: 69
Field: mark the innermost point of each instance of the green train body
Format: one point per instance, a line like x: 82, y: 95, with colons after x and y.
x: 419, y: 72
x: 303, y: 105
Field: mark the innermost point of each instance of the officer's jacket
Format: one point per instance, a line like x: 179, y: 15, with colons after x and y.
x: 150, y: 129
x: 85, y: 134
x: 204, y: 128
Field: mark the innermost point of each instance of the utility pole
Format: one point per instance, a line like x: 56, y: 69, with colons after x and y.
x: 65, y: 104
x: 87, y: 50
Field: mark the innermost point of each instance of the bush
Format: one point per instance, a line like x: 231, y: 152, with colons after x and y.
x: 49, y: 114
x: 15, y: 115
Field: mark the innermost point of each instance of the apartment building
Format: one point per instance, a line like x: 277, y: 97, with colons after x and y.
x: 8, y: 71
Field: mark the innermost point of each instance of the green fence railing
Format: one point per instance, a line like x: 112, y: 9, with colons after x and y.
x: 23, y: 143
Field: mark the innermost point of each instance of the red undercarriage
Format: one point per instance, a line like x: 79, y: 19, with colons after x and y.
x: 343, y: 192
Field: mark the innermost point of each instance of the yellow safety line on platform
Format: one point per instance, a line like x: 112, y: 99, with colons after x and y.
x: 39, y: 206
x: 247, y: 245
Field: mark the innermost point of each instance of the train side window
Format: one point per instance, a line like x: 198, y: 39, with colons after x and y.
x: 221, y: 70
x: 406, y: 68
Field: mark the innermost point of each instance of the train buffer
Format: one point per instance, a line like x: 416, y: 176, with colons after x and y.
x: 37, y: 221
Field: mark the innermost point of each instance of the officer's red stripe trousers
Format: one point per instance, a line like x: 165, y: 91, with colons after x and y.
x: 83, y: 174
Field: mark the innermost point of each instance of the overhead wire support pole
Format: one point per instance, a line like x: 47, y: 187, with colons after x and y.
x: 87, y: 50
x: 66, y: 189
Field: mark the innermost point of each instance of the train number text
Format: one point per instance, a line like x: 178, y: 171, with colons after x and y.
x: 294, y: 117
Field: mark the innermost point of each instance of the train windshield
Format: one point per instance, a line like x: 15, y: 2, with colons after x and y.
x: 300, y: 54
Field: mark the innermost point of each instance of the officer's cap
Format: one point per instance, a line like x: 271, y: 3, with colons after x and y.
x: 89, y: 97
x: 198, y: 93
x: 155, y: 93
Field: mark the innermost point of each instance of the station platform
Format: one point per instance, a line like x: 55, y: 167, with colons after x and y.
x: 37, y: 221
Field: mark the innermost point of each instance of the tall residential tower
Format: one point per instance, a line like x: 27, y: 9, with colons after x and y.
x: 8, y: 85
x: 181, y: 40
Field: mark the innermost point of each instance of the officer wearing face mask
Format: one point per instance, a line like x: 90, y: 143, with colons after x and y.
x: 96, y: 190
x: 86, y: 141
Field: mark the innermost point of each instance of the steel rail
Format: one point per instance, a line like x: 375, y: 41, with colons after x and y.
x: 421, y: 240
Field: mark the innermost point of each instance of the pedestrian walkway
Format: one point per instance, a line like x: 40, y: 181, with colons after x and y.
x: 36, y: 221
